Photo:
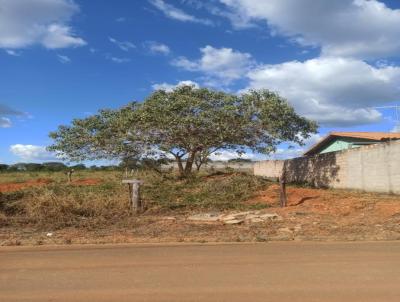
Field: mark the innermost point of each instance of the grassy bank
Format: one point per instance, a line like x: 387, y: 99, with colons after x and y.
x: 104, y: 201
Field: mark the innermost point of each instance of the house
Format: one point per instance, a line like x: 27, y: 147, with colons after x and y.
x: 337, y: 141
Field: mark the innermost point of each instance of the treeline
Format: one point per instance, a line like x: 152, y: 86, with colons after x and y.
x: 51, y: 167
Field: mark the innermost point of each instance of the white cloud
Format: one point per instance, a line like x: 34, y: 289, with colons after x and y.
x: 356, y: 28
x: 396, y: 128
x: 169, y: 87
x: 5, y: 122
x: 27, y: 22
x: 63, y: 59
x: 157, y: 48
x: 123, y: 45
x: 333, y: 91
x: 222, y: 65
x: 5, y: 111
x: 172, y: 12
x: 12, y: 52
x: 31, y: 152
x: 119, y: 60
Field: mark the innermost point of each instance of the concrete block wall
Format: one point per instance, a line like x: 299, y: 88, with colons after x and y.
x: 373, y: 168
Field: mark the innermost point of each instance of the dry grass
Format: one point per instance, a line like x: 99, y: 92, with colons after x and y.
x: 59, y: 204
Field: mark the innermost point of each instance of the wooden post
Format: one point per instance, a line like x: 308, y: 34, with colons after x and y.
x: 134, y: 193
x: 282, y: 187
x: 69, y: 174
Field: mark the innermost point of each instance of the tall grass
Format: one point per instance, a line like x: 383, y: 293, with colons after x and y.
x: 60, y: 204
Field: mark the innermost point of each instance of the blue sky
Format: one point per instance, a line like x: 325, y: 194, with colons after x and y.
x: 62, y: 59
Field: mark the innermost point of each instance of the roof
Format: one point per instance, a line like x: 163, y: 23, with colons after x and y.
x: 373, y: 136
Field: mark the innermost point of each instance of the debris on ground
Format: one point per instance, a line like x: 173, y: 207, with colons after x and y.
x: 235, y: 218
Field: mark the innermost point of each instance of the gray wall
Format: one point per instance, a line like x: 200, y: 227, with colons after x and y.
x: 374, y: 168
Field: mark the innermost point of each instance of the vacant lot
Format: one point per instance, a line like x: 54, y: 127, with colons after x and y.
x: 42, y: 208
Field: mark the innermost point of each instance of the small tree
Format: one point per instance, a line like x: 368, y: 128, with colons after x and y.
x: 187, y: 124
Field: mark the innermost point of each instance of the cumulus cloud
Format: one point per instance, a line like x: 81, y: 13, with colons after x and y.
x: 172, y: 12
x: 31, y: 152
x: 333, y: 91
x: 123, y: 45
x: 222, y: 64
x: 27, y: 22
x: 169, y: 87
x: 157, y: 48
x: 356, y: 28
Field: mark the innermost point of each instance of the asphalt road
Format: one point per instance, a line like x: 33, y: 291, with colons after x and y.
x: 230, y: 272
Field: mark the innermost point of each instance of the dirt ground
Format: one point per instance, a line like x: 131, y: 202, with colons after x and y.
x: 274, y: 271
x: 311, y: 214
x: 15, y: 186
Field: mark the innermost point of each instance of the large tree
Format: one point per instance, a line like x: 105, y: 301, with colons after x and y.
x: 187, y: 124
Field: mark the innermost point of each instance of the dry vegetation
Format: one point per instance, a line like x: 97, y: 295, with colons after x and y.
x: 94, y: 208
x: 101, y: 200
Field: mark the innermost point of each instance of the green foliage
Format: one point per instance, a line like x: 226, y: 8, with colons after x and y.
x: 239, y: 160
x: 223, y: 192
x: 188, y: 124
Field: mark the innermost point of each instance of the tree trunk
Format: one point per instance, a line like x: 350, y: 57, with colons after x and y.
x: 189, y: 163
x: 198, y: 166
x: 180, y: 166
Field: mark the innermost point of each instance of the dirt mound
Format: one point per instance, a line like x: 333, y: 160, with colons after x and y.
x: 340, y: 207
x: 296, y: 196
x: 86, y: 182
x: 15, y: 186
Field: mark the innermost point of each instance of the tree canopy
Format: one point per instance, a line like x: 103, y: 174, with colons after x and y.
x: 187, y: 124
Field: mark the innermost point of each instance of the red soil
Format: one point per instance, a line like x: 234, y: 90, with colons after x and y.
x: 86, y: 182
x: 13, y: 186
x: 336, y: 204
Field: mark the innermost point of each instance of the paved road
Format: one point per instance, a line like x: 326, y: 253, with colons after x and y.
x: 232, y: 272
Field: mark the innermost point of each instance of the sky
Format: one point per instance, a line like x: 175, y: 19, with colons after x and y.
x: 336, y: 62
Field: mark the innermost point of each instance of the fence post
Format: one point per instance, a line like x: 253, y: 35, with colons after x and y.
x: 134, y: 193
x: 282, y: 186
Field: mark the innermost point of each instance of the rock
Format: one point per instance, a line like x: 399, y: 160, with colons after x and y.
x: 256, y: 220
x: 234, y: 221
x: 205, y: 217
x: 284, y: 234
x: 284, y: 230
x: 272, y: 216
x: 236, y: 218
x: 262, y: 238
x: 227, y: 217
x: 168, y: 218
